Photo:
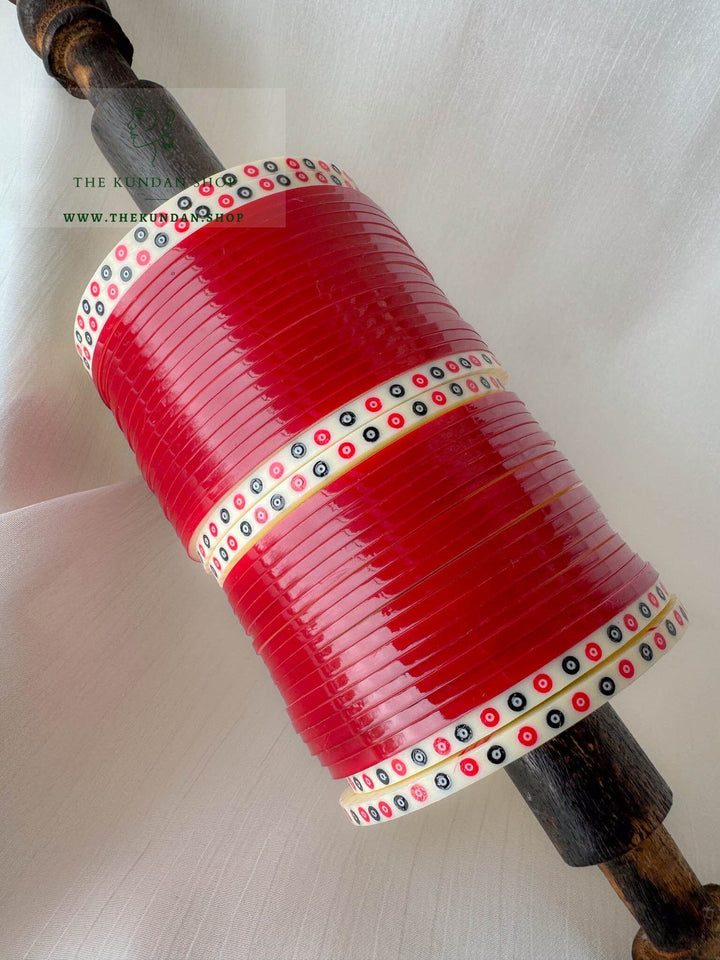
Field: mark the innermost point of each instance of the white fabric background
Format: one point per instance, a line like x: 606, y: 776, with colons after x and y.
x: 556, y: 165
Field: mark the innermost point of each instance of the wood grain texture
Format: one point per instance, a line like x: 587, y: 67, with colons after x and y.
x: 53, y: 27
x: 140, y: 128
x: 679, y: 917
x: 601, y: 801
x: 593, y: 789
x: 705, y: 946
x: 151, y: 143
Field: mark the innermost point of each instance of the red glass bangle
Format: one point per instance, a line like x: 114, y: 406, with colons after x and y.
x: 436, y: 573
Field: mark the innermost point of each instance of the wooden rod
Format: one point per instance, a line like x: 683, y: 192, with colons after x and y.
x: 679, y: 917
x: 593, y: 789
x: 140, y: 128
x: 601, y: 801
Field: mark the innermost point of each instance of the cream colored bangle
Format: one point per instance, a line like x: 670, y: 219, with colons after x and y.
x: 521, y: 698
x: 376, y: 407
x: 218, y: 197
x: 339, y: 457
x: 534, y: 728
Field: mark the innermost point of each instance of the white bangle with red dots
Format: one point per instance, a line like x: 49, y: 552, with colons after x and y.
x: 337, y: 459
x: 368, y: 410
x: 217, y: 198
x: 519, y: 699
x: 526, y: 733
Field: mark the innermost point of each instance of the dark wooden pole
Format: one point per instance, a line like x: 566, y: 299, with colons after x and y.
x: 595, y: 792
x: 601, y: 801
x: 141, y: 128
x: 679, y: 917
x: 593, y: 789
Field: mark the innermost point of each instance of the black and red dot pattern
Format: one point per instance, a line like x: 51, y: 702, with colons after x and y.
x: 425, y: 579
x: 296, y: 483
x: 351, y: 431
x: 516, y: 738
x: 218, y: 199
x: 532, y: 691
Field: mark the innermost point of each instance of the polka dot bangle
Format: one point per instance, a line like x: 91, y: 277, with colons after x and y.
x: 297, y: 485
x: 218, y: 197
x: 352, y: 417
x: 524, y: 734
x: 521, y: 698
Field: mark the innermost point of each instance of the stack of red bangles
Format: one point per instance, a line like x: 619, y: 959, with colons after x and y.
x: 432, y: 587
